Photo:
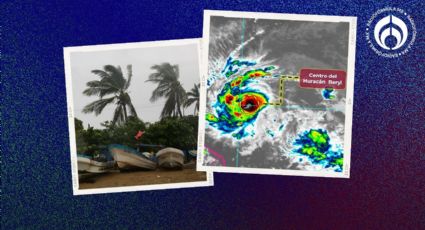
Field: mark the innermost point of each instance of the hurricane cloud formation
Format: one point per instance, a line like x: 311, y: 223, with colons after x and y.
x: 257, y: 114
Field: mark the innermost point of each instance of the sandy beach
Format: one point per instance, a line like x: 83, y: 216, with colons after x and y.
x: 159, y: 176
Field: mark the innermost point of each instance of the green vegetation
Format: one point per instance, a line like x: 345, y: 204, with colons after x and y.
x: 178, y: 132
x: 175, y: 132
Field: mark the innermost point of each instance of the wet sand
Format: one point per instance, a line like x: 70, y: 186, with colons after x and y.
x: 159, y: 176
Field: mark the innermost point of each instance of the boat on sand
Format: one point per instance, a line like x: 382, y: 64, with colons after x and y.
x: 130, y: 159
x: 170, y: 158
x: 190, y: 162
x: 89, y: 164
x: 192, y: 153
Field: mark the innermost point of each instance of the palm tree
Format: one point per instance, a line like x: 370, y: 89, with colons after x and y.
x: 193, y: 97
x: 112, y: 82
x: 169, y: 86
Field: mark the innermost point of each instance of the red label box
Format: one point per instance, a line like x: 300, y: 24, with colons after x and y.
x: 323, y: 78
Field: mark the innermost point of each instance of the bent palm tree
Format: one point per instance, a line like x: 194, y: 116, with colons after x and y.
x: 169, y: 86
x: 112, y: 82
x: 193, y: 97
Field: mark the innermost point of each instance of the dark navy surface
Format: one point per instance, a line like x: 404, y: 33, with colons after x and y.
x: 387, y: 185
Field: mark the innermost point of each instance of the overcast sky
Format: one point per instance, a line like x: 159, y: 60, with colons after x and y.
x: 82, y: 63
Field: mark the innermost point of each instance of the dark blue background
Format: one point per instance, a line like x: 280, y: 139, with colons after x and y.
x: 387, y: 184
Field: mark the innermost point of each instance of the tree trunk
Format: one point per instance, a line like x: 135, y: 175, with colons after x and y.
x: 179, y: 109
x: 125, y: 113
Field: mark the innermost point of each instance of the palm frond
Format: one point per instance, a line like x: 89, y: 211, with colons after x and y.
x: 106, y: 78
x: 99, y: 88
x: 194, y: 92
x: 160, y: 91
x: 193, y: 97
x: 166, y: 76
x: 102, y: 74
x: 116, y: 75
x: 94, y: 88
x: 176, y: 71
x: 189, y: 102
x: 111, y: 81
x: 98, y: 106
x: 129, y: 76
x: 164, y: 72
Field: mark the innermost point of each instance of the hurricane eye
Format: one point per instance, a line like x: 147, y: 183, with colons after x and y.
x: 249, y: 105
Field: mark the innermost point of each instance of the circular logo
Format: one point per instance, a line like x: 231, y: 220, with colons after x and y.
x: 390, y: 32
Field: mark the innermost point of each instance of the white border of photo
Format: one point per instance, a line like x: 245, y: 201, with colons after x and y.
x: 70, y: 104
x: 349, y: 92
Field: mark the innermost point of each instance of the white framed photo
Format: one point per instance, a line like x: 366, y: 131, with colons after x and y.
x: 277, y: 93
x: 133, y: 116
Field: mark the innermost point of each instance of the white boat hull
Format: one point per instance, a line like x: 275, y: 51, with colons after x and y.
x: 87, y: 165
x: 170, y: 158
x: 129, y: 161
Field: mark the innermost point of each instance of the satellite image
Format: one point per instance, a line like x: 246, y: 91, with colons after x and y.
x: 257, y: 114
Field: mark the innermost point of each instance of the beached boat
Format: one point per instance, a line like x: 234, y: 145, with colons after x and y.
x: 190, y: 162
x: 192, y: 153
x: 170, y: 158
x: 131, y: 159
x: 91, y: 165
